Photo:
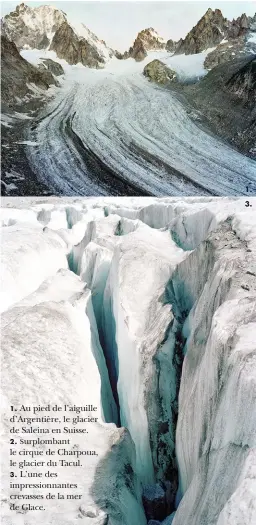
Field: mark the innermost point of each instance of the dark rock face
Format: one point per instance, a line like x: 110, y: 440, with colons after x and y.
x: 54, y: 67
x: 138, y: 51
x: 239, y: 44
x: 154, y: 502
x: 158, y: 72
x: 224, y: 53
x: 226, y: 96
x: 208, y: 32
x: 17, y: 73
x: 243, y: 83
x: 211, y: 29
x: 171, y: 46
x: 28, y: 26
x: 73, y: 49
x: 44, y: 43
x: 118, y: 55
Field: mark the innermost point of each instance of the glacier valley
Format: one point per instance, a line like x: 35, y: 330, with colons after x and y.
x: 159, y: 118
x: 145, y: 308
x: 112, y: 132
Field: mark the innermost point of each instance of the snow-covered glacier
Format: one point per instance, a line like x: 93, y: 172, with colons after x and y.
x: 147, y: 307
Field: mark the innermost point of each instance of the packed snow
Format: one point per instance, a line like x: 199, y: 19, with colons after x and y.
x: 188, y: 67
x: 252, y: 38
x: 104, y: 298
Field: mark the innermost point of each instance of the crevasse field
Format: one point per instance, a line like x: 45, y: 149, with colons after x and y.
x: 145, y: 307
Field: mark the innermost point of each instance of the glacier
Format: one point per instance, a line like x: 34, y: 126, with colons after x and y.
x: 147, y: 144
x: 146, y: 307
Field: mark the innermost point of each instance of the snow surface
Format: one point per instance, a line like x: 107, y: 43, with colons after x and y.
x: 179, y: 157
x: 188, y: 67
x: 8, y: 120
x: 155, y: 279
x: 252, y: 38
x: 27, y: 143
x: 29, y: 257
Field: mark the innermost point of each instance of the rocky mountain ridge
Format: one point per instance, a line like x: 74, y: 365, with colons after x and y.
x: 211, y: 30
x: 69, y: 46
x: 237, y: 47
x: 19, y: 76
x: 46, y: 27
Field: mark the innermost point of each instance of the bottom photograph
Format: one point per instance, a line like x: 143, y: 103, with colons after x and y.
x: 128, y: 361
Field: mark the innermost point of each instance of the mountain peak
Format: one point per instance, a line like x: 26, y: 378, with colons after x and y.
x: 21, y: 7
x: 46, y: 27
x: 149, y: 35
x: 32, y: 27
x: 147, y: 40
x: 208, y: 32
x: 213, y: 29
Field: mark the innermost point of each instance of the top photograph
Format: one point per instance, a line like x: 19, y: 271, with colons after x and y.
x: 128, y: 98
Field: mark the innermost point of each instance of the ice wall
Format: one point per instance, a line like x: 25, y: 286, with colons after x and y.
x: 139, y: 344
x: 216, y: 430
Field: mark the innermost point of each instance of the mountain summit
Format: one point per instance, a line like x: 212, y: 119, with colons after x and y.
x: 46, y: 27
x: 32, y: 27
x: 146, y: 40
x: 210, y: 31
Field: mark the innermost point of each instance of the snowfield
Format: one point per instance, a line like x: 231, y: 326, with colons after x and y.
x: 111, y: 131
x: 145, y: 308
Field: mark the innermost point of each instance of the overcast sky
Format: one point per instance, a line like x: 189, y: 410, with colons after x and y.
x: 118, y: 22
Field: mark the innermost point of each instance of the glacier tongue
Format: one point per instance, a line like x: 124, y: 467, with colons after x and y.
x: 157, y: 326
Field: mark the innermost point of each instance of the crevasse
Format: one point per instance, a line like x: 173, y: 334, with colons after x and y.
x: 173, y: 309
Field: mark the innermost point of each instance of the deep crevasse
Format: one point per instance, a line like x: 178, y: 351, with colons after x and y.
x: 59, y: 360
x: 157, y: 296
